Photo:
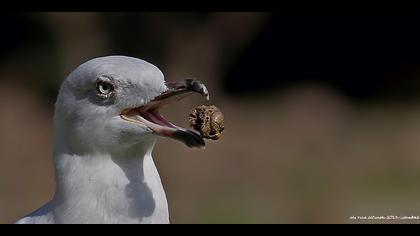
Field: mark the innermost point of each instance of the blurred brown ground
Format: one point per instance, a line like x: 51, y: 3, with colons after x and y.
x: 305, y: 155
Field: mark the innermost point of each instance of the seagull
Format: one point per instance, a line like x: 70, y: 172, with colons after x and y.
x: 106, y: 123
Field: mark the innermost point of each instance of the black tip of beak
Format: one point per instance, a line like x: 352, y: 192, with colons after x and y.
x: 190, y: 138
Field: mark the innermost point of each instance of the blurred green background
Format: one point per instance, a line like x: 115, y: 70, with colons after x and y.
x: 322, y: 110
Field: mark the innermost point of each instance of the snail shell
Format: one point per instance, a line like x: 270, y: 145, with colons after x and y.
x: 208, y: 120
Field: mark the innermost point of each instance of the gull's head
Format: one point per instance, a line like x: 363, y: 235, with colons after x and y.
x: 113, y: 102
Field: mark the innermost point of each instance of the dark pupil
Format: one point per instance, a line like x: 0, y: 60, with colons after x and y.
x: 105, y: 87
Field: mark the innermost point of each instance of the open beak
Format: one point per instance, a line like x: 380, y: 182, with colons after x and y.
x: 148, y: 114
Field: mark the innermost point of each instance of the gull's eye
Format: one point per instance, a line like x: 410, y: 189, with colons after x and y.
x: 105, y: 88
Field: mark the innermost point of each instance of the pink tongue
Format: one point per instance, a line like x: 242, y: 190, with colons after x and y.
x: 155, y: 117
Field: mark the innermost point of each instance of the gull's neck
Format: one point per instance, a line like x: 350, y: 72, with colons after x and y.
x: 118, y: 187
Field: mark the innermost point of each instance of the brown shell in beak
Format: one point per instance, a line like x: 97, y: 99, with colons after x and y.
x: 208, y: 120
